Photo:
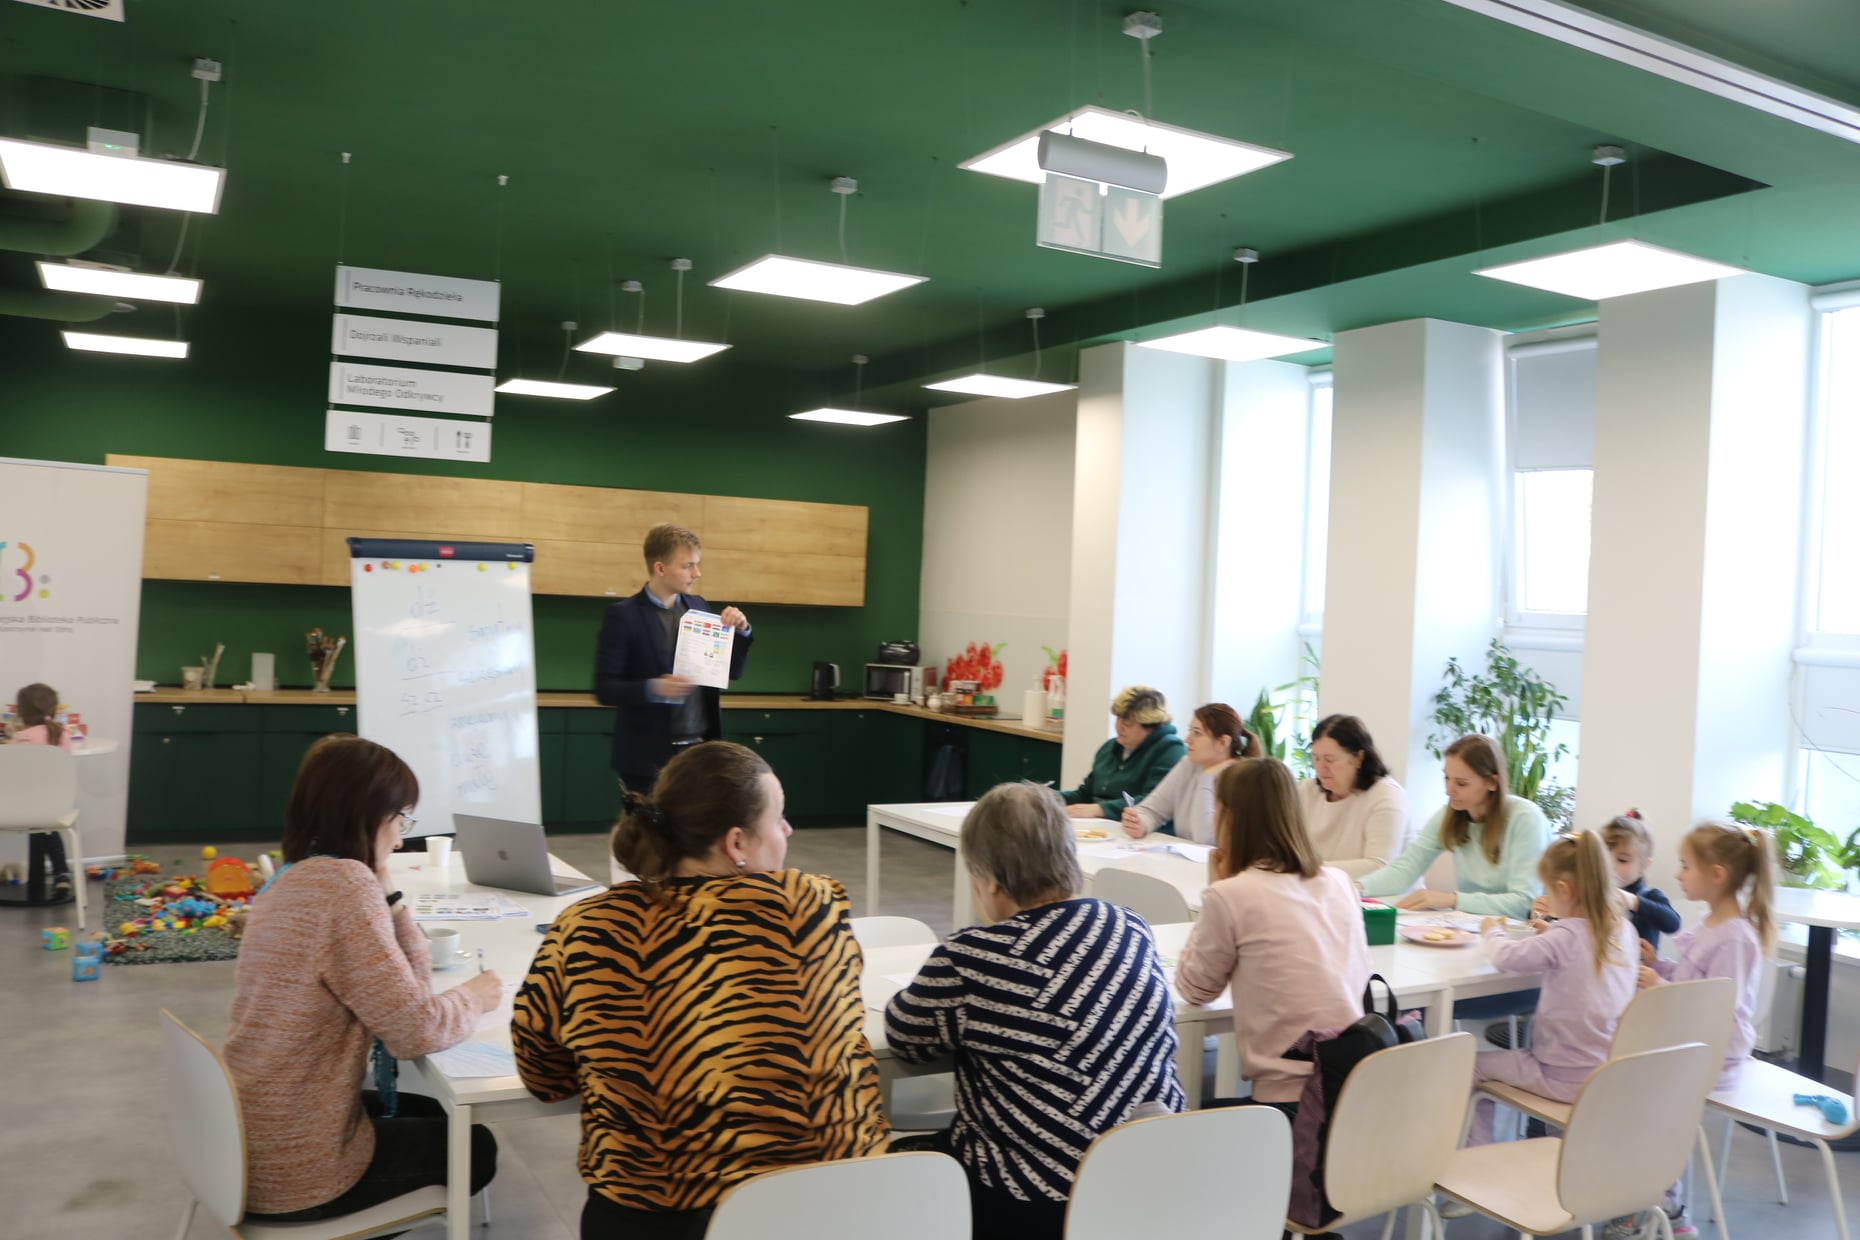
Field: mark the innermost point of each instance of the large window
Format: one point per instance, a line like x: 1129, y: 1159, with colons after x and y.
x: 1552, y: 507
x: 1834, y: 580
x: 1827, y: 773
x: 1551, y: 429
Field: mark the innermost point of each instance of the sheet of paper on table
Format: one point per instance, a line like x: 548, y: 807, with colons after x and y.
x: 475, y: 1059
x: 1449, y: 917
x: 473, y: 906
x: 703, y: 651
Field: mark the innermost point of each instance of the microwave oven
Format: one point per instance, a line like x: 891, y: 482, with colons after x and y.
x: 887, y: 680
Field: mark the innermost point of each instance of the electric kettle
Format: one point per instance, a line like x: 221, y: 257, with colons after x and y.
x: 826, y: 680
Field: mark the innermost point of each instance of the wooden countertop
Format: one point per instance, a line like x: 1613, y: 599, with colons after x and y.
x: 1009, y: 724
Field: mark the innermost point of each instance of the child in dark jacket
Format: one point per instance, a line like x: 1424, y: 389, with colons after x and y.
x: 1630, y: 852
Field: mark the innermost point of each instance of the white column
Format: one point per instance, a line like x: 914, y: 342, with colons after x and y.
x: 1416, y: 511
x: 1700, y: 402
x: 1256, y: 552
x: 1144, y: 479
x: 998, y: 533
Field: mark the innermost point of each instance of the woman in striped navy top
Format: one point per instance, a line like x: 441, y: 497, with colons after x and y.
x: 1057, y: 1013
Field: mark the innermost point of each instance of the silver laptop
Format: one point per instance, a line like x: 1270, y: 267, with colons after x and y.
x: 511, y: 855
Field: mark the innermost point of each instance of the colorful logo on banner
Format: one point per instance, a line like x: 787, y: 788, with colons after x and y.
x: 16, y: 579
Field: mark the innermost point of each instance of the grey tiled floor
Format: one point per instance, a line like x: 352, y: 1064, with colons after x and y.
x: 84, y: 1136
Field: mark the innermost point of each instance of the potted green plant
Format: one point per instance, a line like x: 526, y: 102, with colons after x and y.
x: 1283, y: 726
x: 1809, y: 855
x: 1514, y: 705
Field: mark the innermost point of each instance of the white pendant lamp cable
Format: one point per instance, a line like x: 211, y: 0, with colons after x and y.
x: 193, y: 152
x: 1034, y: 316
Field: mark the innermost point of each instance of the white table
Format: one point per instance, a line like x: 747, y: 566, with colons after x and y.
x: 1429, y: 977
x: 1823, y: 912
x: 94, y: 748
x: 1179, y: 862
x: 509, y: 946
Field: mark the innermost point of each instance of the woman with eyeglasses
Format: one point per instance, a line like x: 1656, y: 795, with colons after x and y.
x: 1355, y: 812
x: 333, y: 972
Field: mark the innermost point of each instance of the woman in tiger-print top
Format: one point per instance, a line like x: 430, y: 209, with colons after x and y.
x: 710, y: 1016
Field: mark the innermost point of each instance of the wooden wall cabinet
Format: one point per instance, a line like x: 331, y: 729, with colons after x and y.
x: 225, y: 521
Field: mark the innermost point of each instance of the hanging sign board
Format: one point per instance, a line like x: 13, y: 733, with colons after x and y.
x: 1104, y: 221
x: 415, y: 391
x: 391, y: 434
x: 410, y: 340
x: 407, y: 292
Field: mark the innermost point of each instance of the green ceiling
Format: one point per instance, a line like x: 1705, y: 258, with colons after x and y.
x: 1424, y: 136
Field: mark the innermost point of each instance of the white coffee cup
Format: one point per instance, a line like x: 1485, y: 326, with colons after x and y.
x: 445, y: 945
x: 439, y: 849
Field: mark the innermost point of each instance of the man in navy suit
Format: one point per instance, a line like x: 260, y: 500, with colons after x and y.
x: 656, y: 713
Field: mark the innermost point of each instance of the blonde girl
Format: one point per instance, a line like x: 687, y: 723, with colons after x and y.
x: 1731, y: 869
x: 1587, y: 960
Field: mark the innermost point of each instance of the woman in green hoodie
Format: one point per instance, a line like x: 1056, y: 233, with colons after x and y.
x: 1133, y: 761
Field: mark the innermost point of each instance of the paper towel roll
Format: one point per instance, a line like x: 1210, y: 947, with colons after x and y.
x: 1033, y: 706
x: 264, y: 672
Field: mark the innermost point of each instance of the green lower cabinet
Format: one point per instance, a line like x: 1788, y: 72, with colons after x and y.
x: 590, y: 795
x: 994, y: 758
x: 551, y: 760
x: 285, y: 735
x: 998, y: 758
x: 193, y: 776
x: 1040, y: 760
x: 890, y: 767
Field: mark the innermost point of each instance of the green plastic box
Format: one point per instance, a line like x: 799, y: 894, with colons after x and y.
x: 1379, y: 922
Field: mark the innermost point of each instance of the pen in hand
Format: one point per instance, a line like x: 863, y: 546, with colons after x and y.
x: 481, y: 960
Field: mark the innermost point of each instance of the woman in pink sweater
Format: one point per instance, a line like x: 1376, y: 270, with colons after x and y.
x: 331, y: 961
x: 1284, y: 931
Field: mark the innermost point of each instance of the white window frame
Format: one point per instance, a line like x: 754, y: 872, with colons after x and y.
x: 1532, y: 630
x: 1816, y: 653
x: 1815, y: 648
x: 1311, y: 624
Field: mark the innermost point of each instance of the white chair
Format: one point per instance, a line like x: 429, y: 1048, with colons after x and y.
x: 899, y: 1196
x: 209, y: 1141
x: 1396, y: 1091
x: 875, y: 932
x: 41, y: 799
x: 916, y: 1103
x: 1225, y: 1172
x: 1626, y: 1141
x: 1154, y: 900
x: 1660, y: 1016
x: 1764, y: 1096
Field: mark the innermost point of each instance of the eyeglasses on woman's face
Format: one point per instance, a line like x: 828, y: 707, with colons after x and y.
x: 407, y: 822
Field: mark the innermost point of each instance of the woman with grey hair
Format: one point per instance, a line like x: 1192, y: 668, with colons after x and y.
x: 1127, y: 768
x: 1057, y: 1013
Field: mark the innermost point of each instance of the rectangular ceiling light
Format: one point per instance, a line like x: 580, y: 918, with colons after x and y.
x: 848, y: 417
x: 560, y: 391
x: 139, y: 346
x: 652, y: 348
x: 812, y: 281
x: 1233, y: 344
x: 107, y: 282
x: 996, y: 385
x: 1195, y: 160
x: 1615, y: 270
x: 71, y: 172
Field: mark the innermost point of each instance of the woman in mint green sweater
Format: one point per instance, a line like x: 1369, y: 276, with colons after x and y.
x: 1495, y: 838
x: 1133, y: 761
